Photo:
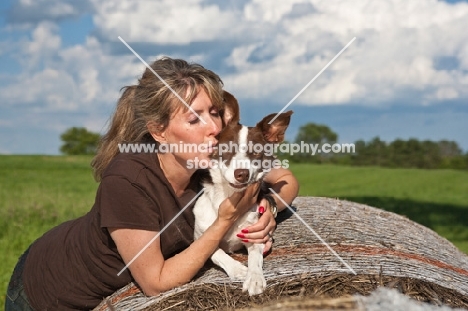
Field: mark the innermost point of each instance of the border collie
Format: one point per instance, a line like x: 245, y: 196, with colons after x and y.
x: 237, y: 169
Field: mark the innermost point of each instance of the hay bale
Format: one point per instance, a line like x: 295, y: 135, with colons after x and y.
x: 383, y: 248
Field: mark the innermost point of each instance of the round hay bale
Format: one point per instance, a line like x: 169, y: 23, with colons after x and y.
x: 382, y: 248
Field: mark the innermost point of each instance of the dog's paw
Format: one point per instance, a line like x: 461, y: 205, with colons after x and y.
x: 237, y: 272
x: 254, y: 283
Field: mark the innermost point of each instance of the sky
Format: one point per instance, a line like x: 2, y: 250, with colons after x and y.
x: 405, y: 75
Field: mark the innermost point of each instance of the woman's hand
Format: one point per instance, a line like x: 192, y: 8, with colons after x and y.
x: 262, y: 231
x: 238, y: 204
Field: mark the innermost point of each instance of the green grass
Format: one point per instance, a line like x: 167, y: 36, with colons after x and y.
x: 435, y: 186
x: 39, y: 192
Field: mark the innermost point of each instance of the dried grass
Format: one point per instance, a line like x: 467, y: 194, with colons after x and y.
x: 329, y: 292
x: 384, y: 249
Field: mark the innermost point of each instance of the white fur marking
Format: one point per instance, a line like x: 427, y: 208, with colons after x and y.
x: 206, y: 211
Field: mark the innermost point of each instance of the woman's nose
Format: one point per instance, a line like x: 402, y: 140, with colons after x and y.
x: 214, y: 125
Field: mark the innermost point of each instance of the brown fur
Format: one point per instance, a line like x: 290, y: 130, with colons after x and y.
x: 230, y: 112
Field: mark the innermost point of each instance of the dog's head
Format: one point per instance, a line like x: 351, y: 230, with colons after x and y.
x: 245, y: 154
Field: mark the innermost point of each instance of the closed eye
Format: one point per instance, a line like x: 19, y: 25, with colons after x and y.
x: 194, y: 120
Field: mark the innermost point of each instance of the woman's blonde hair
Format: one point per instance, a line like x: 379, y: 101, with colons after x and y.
x: 152, y: 101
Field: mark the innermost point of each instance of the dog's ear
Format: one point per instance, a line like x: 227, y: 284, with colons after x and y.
x: 230, y: 112
x: 274, y: 132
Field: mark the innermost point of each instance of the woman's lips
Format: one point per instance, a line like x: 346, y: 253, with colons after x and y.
x: 211, y: 147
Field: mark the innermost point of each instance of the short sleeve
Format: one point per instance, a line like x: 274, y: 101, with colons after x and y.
x: 126, y: 205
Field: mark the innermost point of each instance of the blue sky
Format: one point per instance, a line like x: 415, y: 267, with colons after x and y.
x: 405, y: 75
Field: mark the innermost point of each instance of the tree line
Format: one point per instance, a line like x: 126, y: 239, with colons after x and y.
x: 411, y: 153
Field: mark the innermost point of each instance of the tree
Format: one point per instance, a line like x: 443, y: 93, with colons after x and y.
x: 415, y: 153
x: 449, y: 149
x: 452, y: 155
x: 78, y: 140
x: 319, y: 134
x: 374, y: 152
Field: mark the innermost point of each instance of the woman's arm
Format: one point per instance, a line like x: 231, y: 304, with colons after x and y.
x: 284, y: 184
x: 154, y: 274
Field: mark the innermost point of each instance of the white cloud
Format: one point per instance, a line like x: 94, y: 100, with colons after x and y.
x: 268, y: 11
x: 167, y: 21
x: 44, y: 86
x: 446, y: 93
x: 44, y: 43
x: 44, y: 38
x: 281, y: 47
x: 77, y: 78
x: 397, y: 44
x: 98, y: 76
x: 32, y: 12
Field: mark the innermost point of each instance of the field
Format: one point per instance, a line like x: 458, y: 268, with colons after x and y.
x: 39, y: 192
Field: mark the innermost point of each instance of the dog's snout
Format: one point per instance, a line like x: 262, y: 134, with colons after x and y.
x: 241, y: 175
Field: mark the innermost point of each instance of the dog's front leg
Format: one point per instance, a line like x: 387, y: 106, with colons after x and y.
x: 255, y: 282
x: 234, y: 269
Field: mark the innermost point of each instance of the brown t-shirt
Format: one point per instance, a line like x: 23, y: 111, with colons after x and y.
x: 75, y: 265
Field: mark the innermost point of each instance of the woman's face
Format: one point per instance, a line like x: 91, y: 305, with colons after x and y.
x: 187, y: 131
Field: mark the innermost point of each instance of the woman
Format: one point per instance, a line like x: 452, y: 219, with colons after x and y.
x: 77, y: 264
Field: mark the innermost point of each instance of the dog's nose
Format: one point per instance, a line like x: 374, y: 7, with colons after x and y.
x: 241, y: 175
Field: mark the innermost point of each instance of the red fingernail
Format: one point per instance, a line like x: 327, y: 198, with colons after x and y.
x: 261, y: 209
x: 245, y: 241
x: 240, y: 235
x: 245, y: 231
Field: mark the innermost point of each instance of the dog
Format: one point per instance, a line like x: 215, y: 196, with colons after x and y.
x: 228, y: 177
